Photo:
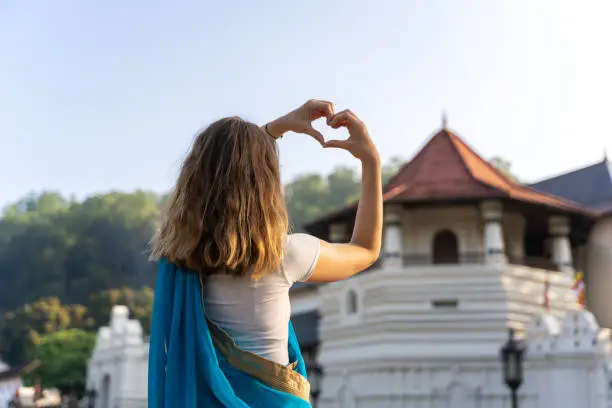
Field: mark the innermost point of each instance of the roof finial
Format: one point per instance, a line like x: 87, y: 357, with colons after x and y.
x: 444, y: 119
x: 605, y: 155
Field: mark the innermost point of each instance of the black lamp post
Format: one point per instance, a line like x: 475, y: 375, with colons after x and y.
x: 314, y: 373
x: 512, y: 359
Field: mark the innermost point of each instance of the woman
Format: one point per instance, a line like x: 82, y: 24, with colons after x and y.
x: 221, y: 334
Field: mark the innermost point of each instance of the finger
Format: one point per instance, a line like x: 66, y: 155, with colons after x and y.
x: 330, y: 110
x: 338, y: 144
x: 316, y: 135
x: 339, y: 119
x: 319, y: 109
x: 339, y: 124
x: 345, y: 118
x: 351, y: 117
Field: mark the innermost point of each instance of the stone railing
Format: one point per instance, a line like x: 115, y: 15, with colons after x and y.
x: 428, y: 259
x: 469, y: 258
x: 534, y: 262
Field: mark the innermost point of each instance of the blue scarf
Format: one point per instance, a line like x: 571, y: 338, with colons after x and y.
x: 187, y: 369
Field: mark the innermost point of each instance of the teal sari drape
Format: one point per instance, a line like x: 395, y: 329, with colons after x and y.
x: 194, y: 364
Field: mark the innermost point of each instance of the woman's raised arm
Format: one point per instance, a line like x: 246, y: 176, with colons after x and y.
x: 340, y: 261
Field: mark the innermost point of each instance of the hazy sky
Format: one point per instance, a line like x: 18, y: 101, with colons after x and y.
x: 101, y: 95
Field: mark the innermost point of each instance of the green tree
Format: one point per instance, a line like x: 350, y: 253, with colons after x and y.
x: 63, y: 357
x: 50, y: 246
x: 142, y: 308
x: 391, y: 168
x: 23, y: 327
x: 313, y: 195
x: 36, y: 207
x: 32, y: 265
x: 305, y: 197
x: 112, y: 232
x: 343, y: 187
x: 140, y: 304
x: 505, y: 167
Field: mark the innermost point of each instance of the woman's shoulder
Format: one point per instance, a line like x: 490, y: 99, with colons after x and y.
x: 301, y: 254
x: 299, y: 238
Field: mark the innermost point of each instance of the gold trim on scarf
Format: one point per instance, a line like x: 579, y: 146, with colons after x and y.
x: 277, y: 376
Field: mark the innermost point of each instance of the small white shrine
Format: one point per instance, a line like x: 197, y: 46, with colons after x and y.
x: 118, y: 368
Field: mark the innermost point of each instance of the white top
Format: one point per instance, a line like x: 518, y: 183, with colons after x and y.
x: 256, y: 313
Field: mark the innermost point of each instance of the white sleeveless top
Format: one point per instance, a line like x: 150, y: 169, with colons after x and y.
x: 256, y: 313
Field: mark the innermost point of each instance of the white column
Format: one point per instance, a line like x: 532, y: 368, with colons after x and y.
x: 493, y: 236
x: 559, y: 229
x: 393, y: 245
x: 338, y: 232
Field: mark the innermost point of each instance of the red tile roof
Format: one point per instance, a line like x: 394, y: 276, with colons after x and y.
x: 447, y: 168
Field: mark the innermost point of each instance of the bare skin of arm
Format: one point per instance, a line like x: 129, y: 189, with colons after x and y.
x: 340, y: 261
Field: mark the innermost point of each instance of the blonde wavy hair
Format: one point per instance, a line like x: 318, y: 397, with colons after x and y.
x: 227, y: 213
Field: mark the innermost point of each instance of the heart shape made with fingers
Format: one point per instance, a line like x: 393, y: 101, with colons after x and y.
x: 301, y: 120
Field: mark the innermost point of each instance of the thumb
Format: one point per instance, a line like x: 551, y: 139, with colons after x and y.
x: 315, y: 134
x: 338, y: 144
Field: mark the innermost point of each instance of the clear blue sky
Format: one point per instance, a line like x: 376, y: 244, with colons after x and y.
x: 103, y: 95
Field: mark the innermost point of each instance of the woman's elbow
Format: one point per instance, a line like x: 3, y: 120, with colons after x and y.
x: 369, y: 255
x: 373, y: 256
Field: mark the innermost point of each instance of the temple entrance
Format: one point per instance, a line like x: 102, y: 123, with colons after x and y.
x: 445, y: 248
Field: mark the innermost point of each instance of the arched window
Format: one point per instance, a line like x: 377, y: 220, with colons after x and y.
x: 445, y: 248
x: 351, y: 302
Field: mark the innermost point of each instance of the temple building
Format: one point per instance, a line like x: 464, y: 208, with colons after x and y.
x: 468, y: 252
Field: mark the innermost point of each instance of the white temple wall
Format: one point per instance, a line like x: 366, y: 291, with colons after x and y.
x: 464, y: 221
x: 398, y: 349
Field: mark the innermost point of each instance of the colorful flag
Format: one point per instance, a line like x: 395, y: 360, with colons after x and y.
x: 578, y: 288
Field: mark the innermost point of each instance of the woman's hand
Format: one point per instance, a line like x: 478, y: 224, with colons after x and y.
x: 300, y: 120
x: 359, y: 143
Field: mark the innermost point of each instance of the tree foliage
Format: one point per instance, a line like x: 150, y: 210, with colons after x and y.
x: 63, y: 357
x: 23, y: 327
x: 140, y: 304
x: 505, y: 167
x: 50, y: 246
x: 313, y: 195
